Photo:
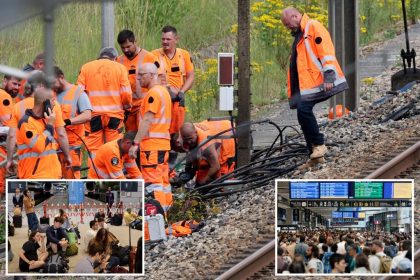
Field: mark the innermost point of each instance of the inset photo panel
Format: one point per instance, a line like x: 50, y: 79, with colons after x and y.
x: 345, y: 227
x: 74, y: 227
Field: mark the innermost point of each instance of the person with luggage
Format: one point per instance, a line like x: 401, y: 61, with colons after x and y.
x: 17, y: 212
x: 29, y: 258
x: 68, y: 225
x: 57, y: 237
x: 18, y: 198
x: 30, y: 211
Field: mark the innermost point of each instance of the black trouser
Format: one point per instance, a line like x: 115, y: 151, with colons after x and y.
x: 308, y: 124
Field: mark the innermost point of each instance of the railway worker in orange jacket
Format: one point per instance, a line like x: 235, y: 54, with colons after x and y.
x: 37, y: 148
x: 133, y: 56
x: 153, y: 138
x: 37, y: 64
x: 179, y: 70
x: 108, y: 88
x: 10, y: 90
x: 208, y: 159
x: 314, y: 75
x: 76, y: 111
x: 35, y: 81
x: 112, y: 159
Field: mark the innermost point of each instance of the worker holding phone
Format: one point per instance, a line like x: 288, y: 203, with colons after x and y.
x: 37, y: 148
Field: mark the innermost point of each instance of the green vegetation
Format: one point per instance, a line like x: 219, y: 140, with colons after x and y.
x: 205, y: 27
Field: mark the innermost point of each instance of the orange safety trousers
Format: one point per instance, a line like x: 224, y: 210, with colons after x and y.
x: 76, y: 163
x: 155, y: 169
x: 100, y: 130
x: 3, y: 157
x: 225, y: 168
x: 177, y: 118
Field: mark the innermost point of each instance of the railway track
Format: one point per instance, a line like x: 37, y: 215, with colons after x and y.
x: 260, y: 263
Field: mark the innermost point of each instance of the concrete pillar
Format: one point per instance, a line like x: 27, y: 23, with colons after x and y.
x: 289, y: 216
x: 108, y: 23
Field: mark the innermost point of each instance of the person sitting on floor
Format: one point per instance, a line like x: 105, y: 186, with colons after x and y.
x: 29, y: 259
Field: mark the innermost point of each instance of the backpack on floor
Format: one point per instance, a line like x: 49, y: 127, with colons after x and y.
x: 72, y: 250
x: 55, y: 264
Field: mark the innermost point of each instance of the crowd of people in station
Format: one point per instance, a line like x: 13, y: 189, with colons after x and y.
x: 335, y: 251
x: 127, y: 110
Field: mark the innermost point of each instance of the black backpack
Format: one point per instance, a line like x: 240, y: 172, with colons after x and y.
x: 55, y: 264
x: 122, y: 253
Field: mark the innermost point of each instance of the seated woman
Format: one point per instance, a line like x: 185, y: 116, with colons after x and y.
x: 106, y: 238
x: 29, y: 259
x: 68, y: 225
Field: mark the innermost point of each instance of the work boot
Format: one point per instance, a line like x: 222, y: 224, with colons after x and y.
x: 318, y: 151
x: 311, y: 163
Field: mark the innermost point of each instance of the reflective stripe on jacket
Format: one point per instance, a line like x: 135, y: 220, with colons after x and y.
x: 315, y: 56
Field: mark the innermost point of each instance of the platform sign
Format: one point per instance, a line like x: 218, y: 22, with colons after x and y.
x: 334, y: 190
x: 304, y: 190
x: 348, y: 215
x: 360, y: 215
x: 337, y: 215
x: 76, y: 192
x: 398, y: 190
x: 368, y: 190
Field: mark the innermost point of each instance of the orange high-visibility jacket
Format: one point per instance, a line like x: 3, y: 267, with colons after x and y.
x: 132, y: 66
x: 109, y: 163
x: 69, y: 110
x: 177, y: 67
x: 227, y: 148
x: 37, y: 149
x: 6, y: 107
x: 316, y: 55
x: 28, y: 103
x: 107, y: 85
x: 158, y: 102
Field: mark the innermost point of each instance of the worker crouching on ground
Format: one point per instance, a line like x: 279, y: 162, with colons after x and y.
x: 314, y: 75
x: 208, y: 160
x: 153, y: 138
x: 37, y: 148
x: 112, y: 159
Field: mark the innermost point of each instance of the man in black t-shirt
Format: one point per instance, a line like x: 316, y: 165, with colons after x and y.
x: 29, y: 260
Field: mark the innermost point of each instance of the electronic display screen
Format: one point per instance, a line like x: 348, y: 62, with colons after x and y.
x: 307, y: 190
x: 397, y: 190
x: 337, y: 215
x: 349, y: 209
x: 348, y: 215
x: 334, y: 190
x: 360, y: 215
x: 368, y: 190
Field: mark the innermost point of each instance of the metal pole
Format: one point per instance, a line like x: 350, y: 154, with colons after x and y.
x: 49, y: 41
x: 244, y: 81
x: 108, y: 23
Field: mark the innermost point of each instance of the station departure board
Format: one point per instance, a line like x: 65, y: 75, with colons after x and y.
x: 348, y: 215
x: 304, y: 190
x: 360, y: 215
x: 334, y: 190
x: 337, y: 215
x: 368, y: 190
x: 396, y: 190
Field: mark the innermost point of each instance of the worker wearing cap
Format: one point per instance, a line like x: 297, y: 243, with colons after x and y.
x: 35, y: 81
x: 153, y: 138
x: 112, y: 159
x: 37, y: 148
x: 76, y: 111
x: 108, y: 88
x: 179, y: 70
x: 133, y: 56
x: 10, y: 90
x: 208, y: 159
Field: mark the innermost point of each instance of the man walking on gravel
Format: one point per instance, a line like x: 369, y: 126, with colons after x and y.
x: 314, y: 76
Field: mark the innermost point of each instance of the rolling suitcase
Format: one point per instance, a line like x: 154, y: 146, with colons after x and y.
x: 155, y: 228
x: 17, y: 221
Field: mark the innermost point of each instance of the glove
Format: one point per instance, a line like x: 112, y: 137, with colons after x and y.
x: 174, y: 96
x: 67, y: 122
x: 181, y: 98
